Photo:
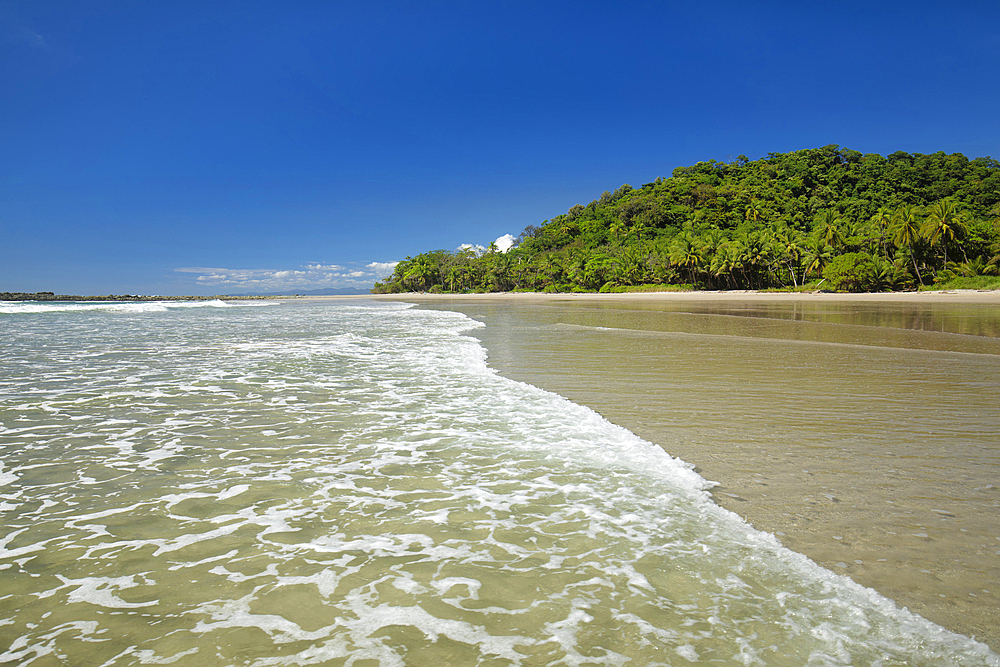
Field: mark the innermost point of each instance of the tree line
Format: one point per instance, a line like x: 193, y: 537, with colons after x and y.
x: 805, y: 219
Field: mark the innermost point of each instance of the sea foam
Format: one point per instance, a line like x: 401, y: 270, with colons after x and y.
x: 317, y: 482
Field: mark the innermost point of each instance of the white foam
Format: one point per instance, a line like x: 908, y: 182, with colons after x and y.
x: 35, y: 307
x: 11, y: 554
x: 6, y: 477
x: 365, y: 465
x: 149, y: 657
x: 99, y: 591
x: 237, y: 614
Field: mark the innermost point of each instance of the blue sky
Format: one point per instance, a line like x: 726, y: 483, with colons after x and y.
x: 228, y: 147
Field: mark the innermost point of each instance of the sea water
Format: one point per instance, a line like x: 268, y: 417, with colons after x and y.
x: 349, y: 483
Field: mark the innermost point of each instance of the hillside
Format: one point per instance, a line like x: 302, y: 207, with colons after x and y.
x: 856, y: 222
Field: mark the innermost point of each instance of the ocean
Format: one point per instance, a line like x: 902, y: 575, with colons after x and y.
x: 350, y: 483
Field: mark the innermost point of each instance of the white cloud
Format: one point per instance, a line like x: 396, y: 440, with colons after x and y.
x: 505, y: 242
x: 478, y: 249
x: 381, y: 269
x: 324, y: 267
x: 306, y: 277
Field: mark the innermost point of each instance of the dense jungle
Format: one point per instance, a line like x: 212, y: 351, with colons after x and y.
x: 822, y: 218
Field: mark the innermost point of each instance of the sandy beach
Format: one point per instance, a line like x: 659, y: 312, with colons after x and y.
x: 792, y: 402
x: 936, y: 296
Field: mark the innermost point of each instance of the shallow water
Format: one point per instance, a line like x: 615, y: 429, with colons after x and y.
x: 340, y: 483
x: 872, y: 448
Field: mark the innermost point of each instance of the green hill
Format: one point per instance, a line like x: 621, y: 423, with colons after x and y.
x: 856, y: 222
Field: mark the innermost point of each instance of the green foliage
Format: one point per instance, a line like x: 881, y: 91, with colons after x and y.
x: 628, y: 289
x: 967, y: 282
x: 781, y: 221
x: 854, y: 272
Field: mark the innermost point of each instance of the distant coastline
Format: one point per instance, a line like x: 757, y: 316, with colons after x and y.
x: 51, y: 296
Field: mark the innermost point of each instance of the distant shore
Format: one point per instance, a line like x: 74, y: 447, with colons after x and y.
x: 51, y: 296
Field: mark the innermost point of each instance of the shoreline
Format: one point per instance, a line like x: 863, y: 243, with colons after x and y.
x: 50, y: 297
x: 848, y: 512
x: 930, y: 296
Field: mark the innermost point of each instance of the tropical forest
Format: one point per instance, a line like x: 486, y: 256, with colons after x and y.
x: 818, y: 219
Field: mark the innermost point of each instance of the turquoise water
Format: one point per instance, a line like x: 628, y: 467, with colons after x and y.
x: 349, y: 483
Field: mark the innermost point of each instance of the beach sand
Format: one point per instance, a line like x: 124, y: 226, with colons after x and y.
x: 807, y: 412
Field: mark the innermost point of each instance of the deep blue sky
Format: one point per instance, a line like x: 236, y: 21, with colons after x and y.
x: 225, y: 147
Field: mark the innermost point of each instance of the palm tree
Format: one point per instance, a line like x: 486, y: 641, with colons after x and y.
x: 755, y: 250
x: 726, y: 261
x: 496, y: 277
x: 978, y: 266
x: 888, y: 274
x: 944, y: 223
x: 598, y: 270
x: 882, y: 220
x: 817, y: 255
x: 906, y: 231
x: 454, y: 276
x: 639, y: 229
x: 523, y: 264
x: 709, y: 245
x: 617, y: 228
x: 550, y: 267
x: 684, y: 253
x: 628, y: 266
x: 419, y: 272
x: 828, y: 225
x: 575, y: 265
x: 791, y: 247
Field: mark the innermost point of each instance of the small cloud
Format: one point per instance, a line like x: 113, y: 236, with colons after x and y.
x: 324, y: 267
x: 31, y: 38
x: 382, y: 269
x: 505, y: 242
x: 199, y: 269
x: 478, y: 249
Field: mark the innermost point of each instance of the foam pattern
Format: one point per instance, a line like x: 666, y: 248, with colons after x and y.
x: 351, y: 484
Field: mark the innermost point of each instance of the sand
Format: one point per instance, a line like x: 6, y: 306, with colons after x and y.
x: 937, y: 296
x: 918, y: 525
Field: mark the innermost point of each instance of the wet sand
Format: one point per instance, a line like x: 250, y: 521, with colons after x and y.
x: 862, y: 430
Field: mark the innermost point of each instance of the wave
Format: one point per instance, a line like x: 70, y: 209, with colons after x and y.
x: 35, y: 307
x: 344, y: 483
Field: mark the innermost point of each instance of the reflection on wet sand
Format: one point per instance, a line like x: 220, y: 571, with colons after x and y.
x: 866, y: 436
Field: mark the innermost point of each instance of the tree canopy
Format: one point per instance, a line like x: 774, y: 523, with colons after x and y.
x: 780, y: 221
